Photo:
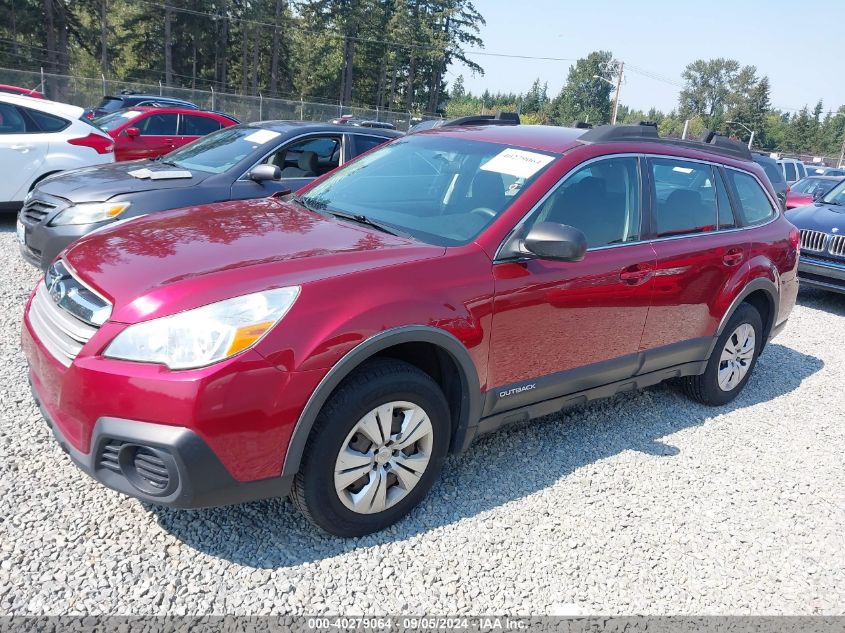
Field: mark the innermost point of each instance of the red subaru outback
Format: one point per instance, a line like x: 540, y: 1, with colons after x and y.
x: 338, y: 344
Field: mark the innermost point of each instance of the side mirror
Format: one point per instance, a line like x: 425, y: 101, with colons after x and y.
x: 132, y: 132
x: 265, y: 172
x: 559, y: 242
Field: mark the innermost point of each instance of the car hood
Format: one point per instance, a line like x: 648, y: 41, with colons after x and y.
x: 168, y: 262
x: 818, y: 217
x: 102, y: 182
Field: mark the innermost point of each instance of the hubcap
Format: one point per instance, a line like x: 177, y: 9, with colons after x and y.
x: 736, y: 357
x: 383, y: 457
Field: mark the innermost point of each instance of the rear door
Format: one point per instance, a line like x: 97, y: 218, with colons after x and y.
x: 194, y: 126
x: 698, y: 257
x: 158, y: 135
x: 22, y: 152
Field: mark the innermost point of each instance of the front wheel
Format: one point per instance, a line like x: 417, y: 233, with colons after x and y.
x: 731, y: 361
x: 376, y: 449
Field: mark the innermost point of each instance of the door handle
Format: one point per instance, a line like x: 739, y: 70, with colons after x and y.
x: 636, y: 274
x: 23, y: 147
x: 733, y: 257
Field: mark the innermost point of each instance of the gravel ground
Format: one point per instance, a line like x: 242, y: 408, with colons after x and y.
x: 646, y: 503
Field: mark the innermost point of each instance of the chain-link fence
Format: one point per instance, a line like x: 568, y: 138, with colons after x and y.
x: 87, y: 92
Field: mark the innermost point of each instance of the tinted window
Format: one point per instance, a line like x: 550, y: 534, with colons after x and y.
x: 110, y: 104
x: 834, y: 172
x: 194, y: 125
x: 47, y: 122
x: 601, y: 199
x: 772, y: 170
x: 802, y: 171
x: 685, y: 197
x: 754, y: 204
x: 366, y: 143
x: 158, y: 125
x: 11, y: 121
x: 323, y: 147
x: 723, y: 201
x: 789, y: 172
x: 438, y: 189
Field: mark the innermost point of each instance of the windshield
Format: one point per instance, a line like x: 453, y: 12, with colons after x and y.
x: 437, y: 189
x: 812, y: 186
x: 219, y: 151
x: 114, y: 120
x: 836, y: 195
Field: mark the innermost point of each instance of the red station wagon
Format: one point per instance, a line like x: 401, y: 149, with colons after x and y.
x: 150, y: 132
x: 337, y: 344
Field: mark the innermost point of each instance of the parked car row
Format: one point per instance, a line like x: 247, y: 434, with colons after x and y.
x: 337, y: 342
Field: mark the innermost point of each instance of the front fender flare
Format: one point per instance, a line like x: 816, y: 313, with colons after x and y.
x: 470, y: 406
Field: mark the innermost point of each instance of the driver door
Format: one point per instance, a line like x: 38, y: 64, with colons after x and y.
x: 562, y: 327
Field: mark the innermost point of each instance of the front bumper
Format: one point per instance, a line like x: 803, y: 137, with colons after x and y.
x: 166, y: 465
x: 43, y: 243
x: 820, y: 273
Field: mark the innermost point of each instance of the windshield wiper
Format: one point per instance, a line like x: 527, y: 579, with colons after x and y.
x: 363, y: 219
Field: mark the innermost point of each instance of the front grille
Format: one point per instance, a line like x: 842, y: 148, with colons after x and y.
x: 814, y: 241
x: 60, y: 332
x: 36, y: 210
x: 151, y: 468
x: 837, y: 246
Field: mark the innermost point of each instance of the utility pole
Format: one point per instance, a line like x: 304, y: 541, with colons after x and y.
x: 616, y: 96
x: 842, y: 153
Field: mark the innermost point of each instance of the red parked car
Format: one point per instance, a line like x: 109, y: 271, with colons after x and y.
x: 338, y: 343
x: 150, y: 132
x: 24, y: 92
x: 809, y: 189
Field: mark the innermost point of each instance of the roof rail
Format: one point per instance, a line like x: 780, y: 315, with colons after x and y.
x: 646, y: 131
x: 582, y: 125
x: 500, y: 118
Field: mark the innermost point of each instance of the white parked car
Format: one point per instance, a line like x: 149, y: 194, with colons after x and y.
x: 39, y: 138
x: 793, y: 170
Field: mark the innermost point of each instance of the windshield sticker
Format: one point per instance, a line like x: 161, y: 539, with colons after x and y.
x: 164, y: 174
x: 130, y: 114
x: 261, y: 136
x: 517, y: 162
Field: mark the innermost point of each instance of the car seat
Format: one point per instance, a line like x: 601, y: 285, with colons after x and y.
x: 306, y: 167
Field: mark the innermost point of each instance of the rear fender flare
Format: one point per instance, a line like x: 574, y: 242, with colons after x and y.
x: 759, y: 283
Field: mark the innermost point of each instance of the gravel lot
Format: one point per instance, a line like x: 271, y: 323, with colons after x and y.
x: 646, y: 503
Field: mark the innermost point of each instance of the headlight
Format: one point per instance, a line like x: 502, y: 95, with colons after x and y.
x: 90, y: 212
x: 205, y: 335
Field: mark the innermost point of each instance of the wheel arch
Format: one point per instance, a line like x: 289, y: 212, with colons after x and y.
x: 762, y: 293
x: 402, y: 343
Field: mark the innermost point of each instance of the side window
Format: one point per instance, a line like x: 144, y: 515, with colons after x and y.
x: 11, y: 121
x: 366, y: 143
x: 158, y: 125
x: 47, y: 122
x: 789, y: 172
x: 723, y: 201
x: 802, y: 171
x: 754, y: 204
x: 685, y: 195
x: 195, y: 125
x: 601, y: 199
x: 307, y: 158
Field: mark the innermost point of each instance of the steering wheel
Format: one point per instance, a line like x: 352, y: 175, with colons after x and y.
x: 486, y: 212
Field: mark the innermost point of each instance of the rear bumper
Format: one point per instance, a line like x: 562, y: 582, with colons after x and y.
x: 822, y: 273
x: 176, y: 469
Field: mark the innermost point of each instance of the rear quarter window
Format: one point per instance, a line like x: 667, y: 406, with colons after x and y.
x: 47, y: 122
x: 754, y: 205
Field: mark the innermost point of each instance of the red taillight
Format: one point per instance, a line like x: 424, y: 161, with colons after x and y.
x: 794, y: 238
x: 90, y: 115
x: 100, y: 144
x: 788, y: 188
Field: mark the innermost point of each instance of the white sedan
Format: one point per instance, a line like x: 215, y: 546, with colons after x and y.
x: 39, y: 138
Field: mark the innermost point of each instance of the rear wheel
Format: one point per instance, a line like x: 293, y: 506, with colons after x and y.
x: 732, y: 360
x: 376, y: 449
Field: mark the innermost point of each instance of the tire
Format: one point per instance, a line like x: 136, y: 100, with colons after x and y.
x: 389, y: 390
x: 706, y: 387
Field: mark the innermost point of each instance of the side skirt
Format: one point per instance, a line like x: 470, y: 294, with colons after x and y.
x: 554, y: 405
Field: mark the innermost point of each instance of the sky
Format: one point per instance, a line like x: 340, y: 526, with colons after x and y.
x: 659, y: 38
